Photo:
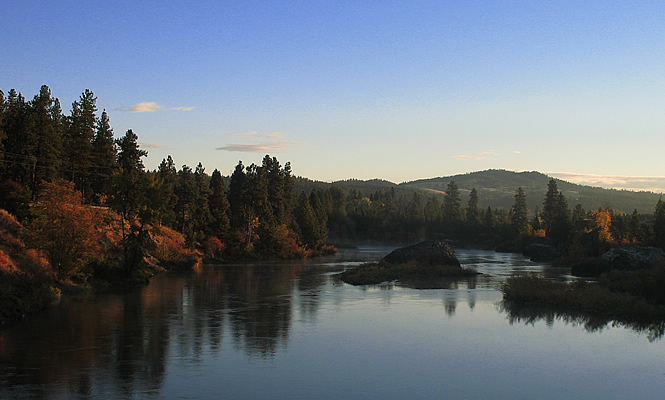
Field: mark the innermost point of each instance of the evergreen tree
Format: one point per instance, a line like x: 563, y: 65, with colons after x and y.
x: 103, y: 157
x: 3, y: 135
x: 186, y: 194
x: 634, y: 227
x: 556, y: 216
x: 578, y: 214
x: 78, y: 141
x: 307, y: 222
x: 19, y: 143
x: 472, y: 210
x: 128, y: 199
x: 168, y: 176
x: 519, y: 212
x: 45, y: 126
x: 201, y: 209
x: 236, y: 195
x: 219, y: 207
x: 489, y: 220
x: 659, y: 224
x: 452, y: 206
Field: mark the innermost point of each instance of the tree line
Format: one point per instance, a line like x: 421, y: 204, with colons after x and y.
x: 254, y: 212
x: 258, y: 209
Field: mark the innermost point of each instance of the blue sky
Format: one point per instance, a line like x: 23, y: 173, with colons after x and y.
x: 372, y: 89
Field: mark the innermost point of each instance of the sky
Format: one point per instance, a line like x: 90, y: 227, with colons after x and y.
x: 363, y: 89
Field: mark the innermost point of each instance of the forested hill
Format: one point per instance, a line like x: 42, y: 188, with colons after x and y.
x: 496, y: 188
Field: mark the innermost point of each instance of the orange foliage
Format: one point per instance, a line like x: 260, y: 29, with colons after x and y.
x: 7, y: 264
x: 602, y: 221
x: 66, y: 229
x: 213, y: 247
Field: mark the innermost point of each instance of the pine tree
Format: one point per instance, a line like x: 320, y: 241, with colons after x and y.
x: 201, y: 217
x: 128, y: 199
x: 103, y: 157
x: 219, y: 207
x: 452, y: 207
x: 78, y: 141
x: 19, y: 143
x: 659, y: 224
x: 45, y: 125
x: 168, y: 176
x: 555, y: 215
x: 519, y: 212
x: 472, y: 210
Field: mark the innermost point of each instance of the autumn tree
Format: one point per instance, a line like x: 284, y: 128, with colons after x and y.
x: 65, y: 228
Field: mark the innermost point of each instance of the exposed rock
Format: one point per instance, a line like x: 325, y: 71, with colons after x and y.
x: 429, y: 252
x: 619, y: 258
x: 540, y: 252
x: 631, y: 258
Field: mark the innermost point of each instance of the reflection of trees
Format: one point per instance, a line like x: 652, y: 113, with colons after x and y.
x: 308, y: 284
x: 260, y: 307
x: 120, y: 343
x: 530, y: 314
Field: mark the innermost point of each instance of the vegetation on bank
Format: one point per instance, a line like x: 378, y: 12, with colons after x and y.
x: 82, y: 208
x: 628, y: 296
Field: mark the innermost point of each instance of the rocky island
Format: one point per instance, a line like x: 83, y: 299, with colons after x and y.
x: 428, y: 259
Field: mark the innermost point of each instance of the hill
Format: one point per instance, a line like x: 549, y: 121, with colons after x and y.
x: 496, y: 188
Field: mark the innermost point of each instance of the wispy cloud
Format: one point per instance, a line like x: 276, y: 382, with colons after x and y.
x: 638, y: 183
x: 152, y: 145
x: 150, y: 106
x: 265, y: 147
x: 463, y: 157
x: 255, y: 134
x: 260, y: 143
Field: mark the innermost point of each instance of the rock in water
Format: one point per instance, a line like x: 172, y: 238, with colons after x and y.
x: 631, y: 258
x: 429, y: 252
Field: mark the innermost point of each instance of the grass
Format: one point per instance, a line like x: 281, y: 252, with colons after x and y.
x: 590, y: 297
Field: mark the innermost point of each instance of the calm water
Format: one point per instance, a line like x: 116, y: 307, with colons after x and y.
x: 294, y: 331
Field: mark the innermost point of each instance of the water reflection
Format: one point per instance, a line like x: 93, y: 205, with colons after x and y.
x: 530, y: 314
x: 134, y: 344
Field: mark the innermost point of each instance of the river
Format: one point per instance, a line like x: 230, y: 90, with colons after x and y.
x: 294, y: 331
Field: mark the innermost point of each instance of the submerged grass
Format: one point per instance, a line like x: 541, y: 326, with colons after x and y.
x: 592, y: 297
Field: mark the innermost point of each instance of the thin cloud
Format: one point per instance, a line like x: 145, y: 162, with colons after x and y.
x: 638, y: 183
x: 255, y: 134
x: 150, y: 106
x: 265, y: 147
x: 463, y: 157
x: 152, y: 145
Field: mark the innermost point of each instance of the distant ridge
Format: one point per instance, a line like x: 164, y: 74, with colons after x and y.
x: 496, y: 188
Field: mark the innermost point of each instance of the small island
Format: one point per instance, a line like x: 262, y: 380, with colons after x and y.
x: 428, y: 259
